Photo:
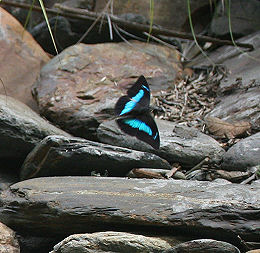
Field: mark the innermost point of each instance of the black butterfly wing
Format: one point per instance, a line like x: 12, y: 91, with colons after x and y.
x: 143, y: 127
x: 137, y: 99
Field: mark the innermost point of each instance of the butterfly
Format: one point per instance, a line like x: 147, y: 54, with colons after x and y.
x: 134, y: 116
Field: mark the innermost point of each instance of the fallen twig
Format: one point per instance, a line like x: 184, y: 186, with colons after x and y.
x: 88, y: 15
x: 198, y: 166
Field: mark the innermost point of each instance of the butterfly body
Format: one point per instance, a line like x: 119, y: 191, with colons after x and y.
x: 134, y: 114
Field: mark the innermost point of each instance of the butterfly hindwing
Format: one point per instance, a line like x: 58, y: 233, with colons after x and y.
x: 142, y: 127
x: 137, y: 99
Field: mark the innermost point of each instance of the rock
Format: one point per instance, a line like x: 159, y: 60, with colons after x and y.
x: 232, y: 176
x: 240, y: 64
x: 8, y: 241
x: 205, y: 246
x: 60, y: 155
x: 244, y: 17
x: 67, y: 205
x: 110, y: 242
x: 244, y: 154
x: 239, y: 92
x: 20, y: 130
x: 21, y: 14
x: 8, y: 176
x: 185, y: 145
x: 63, y: 34
x: 256, y: 183
x: 32, y: 244
x: 22, y: 57
x: 78, y: 89
x: 240, y: 106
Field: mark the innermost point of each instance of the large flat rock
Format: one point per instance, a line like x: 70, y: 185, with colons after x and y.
x: 67, y: 205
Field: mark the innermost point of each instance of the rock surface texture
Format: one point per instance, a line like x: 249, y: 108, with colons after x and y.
x: 8, y: 241
x: 21, y: 129
x: 60, y: 155
x: 110, y: 242
x: 244, y: 154
x: 21, y: 58
x: 178, y: 143
x: 58, y: 205
x: 79, y: 88
x: 239, y: 98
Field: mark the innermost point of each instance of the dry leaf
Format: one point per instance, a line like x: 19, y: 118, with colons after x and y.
x: 232, y: 176
x: 223, y: 129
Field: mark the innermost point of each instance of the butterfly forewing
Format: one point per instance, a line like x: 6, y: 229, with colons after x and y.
x: 140, y: 86
x: 138, y: 98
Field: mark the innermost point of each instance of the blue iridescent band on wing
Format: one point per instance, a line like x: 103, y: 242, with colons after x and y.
x: 129, y: 106
x: 141, y: 126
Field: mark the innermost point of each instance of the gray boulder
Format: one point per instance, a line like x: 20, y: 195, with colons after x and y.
x: 244, y: 154
x: 60, y: 155
x: 108, y: 242
x: 204, y: 246
x: 185, y: 145
x: 21, y: 129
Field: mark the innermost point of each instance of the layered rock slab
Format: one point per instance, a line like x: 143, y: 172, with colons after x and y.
x: 185, y: 145
x: 58, y: 205
x: 239, y: 98
x: 60, y: 155
x: 21, y: 129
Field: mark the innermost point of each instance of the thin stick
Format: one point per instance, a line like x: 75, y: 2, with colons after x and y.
x: 205, y: 160
x: 156, y: 30
x: 88, y: 15
x: 248, y: 180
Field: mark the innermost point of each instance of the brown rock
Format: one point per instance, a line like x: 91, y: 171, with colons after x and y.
x: 21, y: 58
x: 8, y: 242
x: 79, y: 88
